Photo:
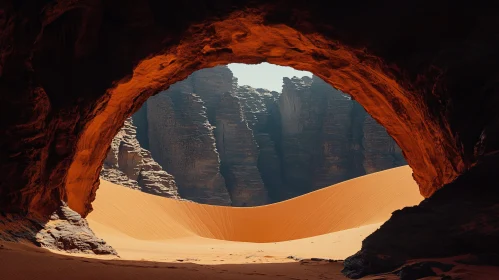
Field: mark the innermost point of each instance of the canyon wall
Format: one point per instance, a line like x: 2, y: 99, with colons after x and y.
x: 182, y: 140
x: 326, y: 137
x: 130, y: 165
x: 236, y: 145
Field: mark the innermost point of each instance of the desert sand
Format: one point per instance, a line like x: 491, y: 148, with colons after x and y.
x: 328, y: 223
x: 161, y: 238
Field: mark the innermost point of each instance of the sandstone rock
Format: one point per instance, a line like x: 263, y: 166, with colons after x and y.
x: 380, y: 150
x: 69, y: 232
x: 326, y: 137
x: 261, y: 112
x: 130, y: 165
x: 299, y: 112
x: 210, y: 84
x: 182, y: 141
x: 239, y: 154
x: 334, y: 162
x: 64, y: 100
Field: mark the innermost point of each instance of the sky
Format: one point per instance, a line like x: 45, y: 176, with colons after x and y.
x: 264, y: 75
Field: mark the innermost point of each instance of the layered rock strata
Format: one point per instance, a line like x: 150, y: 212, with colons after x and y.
x: 182, y: 140
x: 239, y: 154
x: 268, y: 146
x: 130, y: 165
x: 261, y: 113
x: 326, y: 137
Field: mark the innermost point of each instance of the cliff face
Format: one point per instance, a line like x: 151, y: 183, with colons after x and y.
x: 255, y: 146
x: 335, y: 162
x: 261, y: 113
x: 326, y: 137
x: 182, y: 140
x: 239, y: 154
x: 128, y: 164
x: 300, y: 115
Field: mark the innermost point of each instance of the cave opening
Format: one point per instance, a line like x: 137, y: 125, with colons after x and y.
x: 247, y: 135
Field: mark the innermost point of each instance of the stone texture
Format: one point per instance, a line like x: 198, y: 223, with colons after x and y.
x: 457, y: 220
x: 68, y: 231
x: 326, y: 137
x: 210, y: 84
x: 130, y: 165
x: 70, y: 76
x: 182, y: 140
x: 275, y: 146
x: 299, y: 112
x: 262, y: 116
x: 336, y: 160
x: 239, y: 154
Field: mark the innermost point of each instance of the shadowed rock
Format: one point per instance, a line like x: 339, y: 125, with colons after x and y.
x: 130, y: 165
x: 68, y: 231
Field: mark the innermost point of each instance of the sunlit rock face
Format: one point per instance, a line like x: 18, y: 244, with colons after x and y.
x: 130, y: 165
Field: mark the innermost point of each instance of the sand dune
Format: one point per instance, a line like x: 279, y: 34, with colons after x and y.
x: 328, y: 223
x: 362, y: 201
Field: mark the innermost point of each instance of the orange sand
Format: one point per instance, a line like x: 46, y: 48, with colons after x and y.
x: 328, y: 223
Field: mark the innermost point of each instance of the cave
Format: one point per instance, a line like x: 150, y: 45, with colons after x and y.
x: 71, y: 72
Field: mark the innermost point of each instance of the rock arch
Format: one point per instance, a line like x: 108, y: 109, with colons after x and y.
x: 72, y: 71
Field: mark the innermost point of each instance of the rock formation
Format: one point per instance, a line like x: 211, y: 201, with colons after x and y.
x: 326, y: 137
x: 63, y: 230
x: 261, y: 113
x: 182, y: 140
x: 68, y: 231
x: 70, y: 76
x: 130, y: 165
x: 335, y: 161
x: 269, y: 146
x: 239, y: 154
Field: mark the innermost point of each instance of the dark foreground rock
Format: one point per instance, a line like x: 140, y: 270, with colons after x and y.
x: 65, y: 230
x: 457, y: 220
x: 422, y: 269
x: 68, y: 231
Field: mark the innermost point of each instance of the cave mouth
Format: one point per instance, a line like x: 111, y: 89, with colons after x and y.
x: 247, y: 135
x: 386, y: 94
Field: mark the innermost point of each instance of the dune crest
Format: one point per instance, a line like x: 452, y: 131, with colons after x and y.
x: 354, y: 203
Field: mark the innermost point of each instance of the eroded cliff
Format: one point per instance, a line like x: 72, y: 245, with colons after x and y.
x: 267, y: 146
x: 130, y: 165
x: 182, y: 140
x: 326, y: 137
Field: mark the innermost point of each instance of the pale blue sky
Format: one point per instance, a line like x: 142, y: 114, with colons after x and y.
x: 264, y: 75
